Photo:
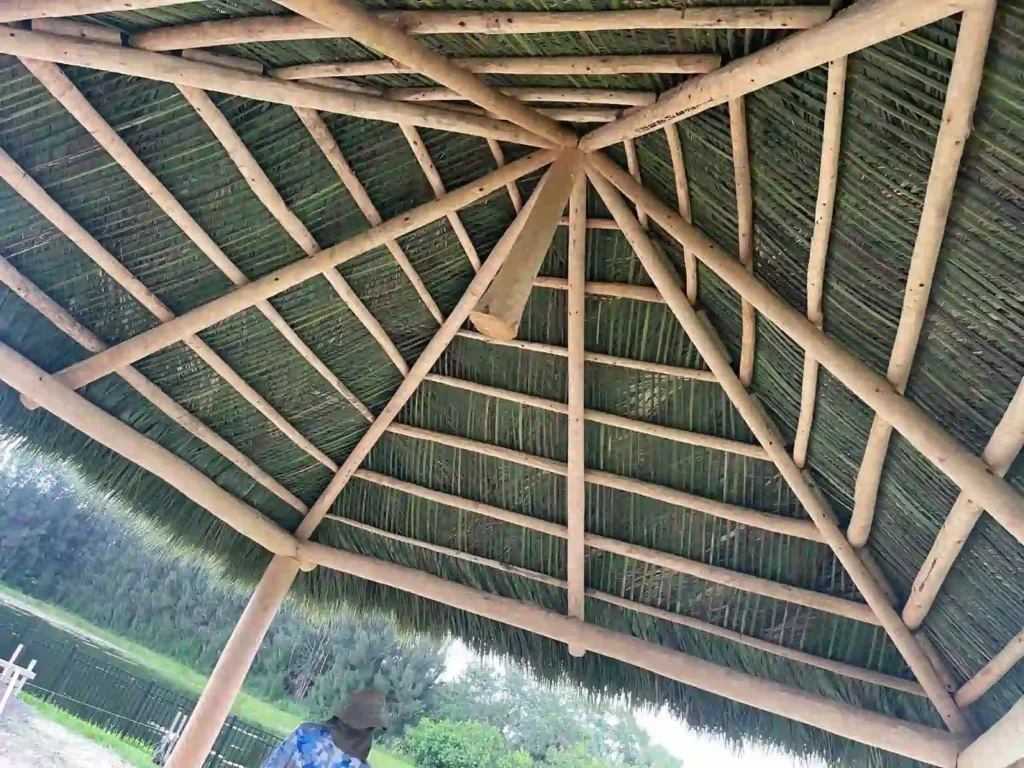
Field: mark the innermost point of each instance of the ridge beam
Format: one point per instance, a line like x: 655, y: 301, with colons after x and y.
x: 500, y: 310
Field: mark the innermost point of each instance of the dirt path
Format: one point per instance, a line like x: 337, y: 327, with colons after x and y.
x: 29, y: 740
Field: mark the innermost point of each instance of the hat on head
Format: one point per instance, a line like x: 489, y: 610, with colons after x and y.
x: 364, y: 710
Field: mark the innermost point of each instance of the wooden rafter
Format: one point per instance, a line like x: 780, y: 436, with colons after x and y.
x: 200, y: 74
x: 633, y: 166
x: 63, y: 320
x: 1001, y: 746
x: 263, y: 29
x: 904, y: 738
x: 38, y: 198
x: 597, y: 542
x: 19, y: 10
x: 500, y: 309
x: 745, y: 228
x: 1003, y: 447
x: 513, y: 191
x: 965, y: 469
x: 767, y: 433
x: 437, y: 344
x: 863, y: 24
x: 991, y: 673
x: 25, y: 377
x: 329, y: 146
x: 828, y: 180
x: 957, y: 115
x: 675, y: 151
x: 352, y: 19
x: 576, y: 494
x: 281, y: 280
x: 562, y: 95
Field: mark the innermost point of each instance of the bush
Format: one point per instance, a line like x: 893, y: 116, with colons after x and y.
x: 466, y: 744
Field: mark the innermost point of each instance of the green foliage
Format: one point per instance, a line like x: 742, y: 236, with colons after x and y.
x: 464, y: 744
x: 131, y: 751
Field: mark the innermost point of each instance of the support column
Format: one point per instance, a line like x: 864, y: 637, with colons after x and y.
x: 232, y: 667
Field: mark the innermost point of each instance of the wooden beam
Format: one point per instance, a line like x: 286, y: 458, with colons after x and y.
x: 22, y: 375
x: 353, y: 20
x: 709, y: 346
x: 633, y: 166
x: 828, y: 180
x: 1001, y: 746
x: 434, y: 349
x: 513, y: 191
x: 745, y: 220
x: 862, y: 25
x: 422, y: 155
x: 910, y: 740
x: 566, y: 95
x: 675, y: 151
x: 576, y: 492
x: 329, y: 146
x: 19, y: 10
x: 72, y: 28
x: 934, y: 443
x: 287, y: 277
x: 660, y: 369
x: 753, y: 518
x: 225, y: 683
x: 955, y: 129
x: 609, y: 419
x: 199, y: 74
x: 62, y: 89
x: 64, y: 321
x: 605, y: 224
x: 1003, y: 447
x: 256, y: 29
x: 676, y: 64
x: 501, y: 308
x: 614, y: 290
x: 455, y: 502
x: 991, y: 673
x: 38, y: 198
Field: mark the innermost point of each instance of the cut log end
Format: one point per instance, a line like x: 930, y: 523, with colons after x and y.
x: 577, y: 651
x: 29, y: 403
x: 494, y: 326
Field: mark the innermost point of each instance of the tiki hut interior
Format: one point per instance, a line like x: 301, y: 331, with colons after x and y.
x: 673, y: 347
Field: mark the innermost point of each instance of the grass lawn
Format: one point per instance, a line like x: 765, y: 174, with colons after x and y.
x: 132, y: 752
x: 169, y: 672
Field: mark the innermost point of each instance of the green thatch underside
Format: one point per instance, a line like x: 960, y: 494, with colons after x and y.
x: 968, y: 365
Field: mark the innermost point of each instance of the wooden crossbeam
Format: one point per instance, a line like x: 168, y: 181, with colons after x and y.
x: 991, y: 673
x: 955, y: 128
x: 675, y: 151
x: 1003, y: 447
x: 352, y: 19
x: 862, y: 25
x: 263, y: 29
x: 598, y: 543
x: 212, y: 77
x: 38, y: 198
x: 745, y: 234
x: 19, y: 10
x: 563, y: 95
x: 968, y: 471
x: 828, y: 180
x: 910, y: 740
x: 64, y: 321
x: 22, y: 375
x: 1002, y: 746
x: 287, y: 277
x: 437, y: 345
x: 710, y: 348
x: 500, y: 310
x: 674, y: 64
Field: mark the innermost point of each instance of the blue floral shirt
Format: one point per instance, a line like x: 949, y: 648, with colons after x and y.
x: 311, y: 746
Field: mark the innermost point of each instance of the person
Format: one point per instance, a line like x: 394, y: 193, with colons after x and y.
x: 344, y: 741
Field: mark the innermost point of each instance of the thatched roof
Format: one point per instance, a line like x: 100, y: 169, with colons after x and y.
x: 967, y: 367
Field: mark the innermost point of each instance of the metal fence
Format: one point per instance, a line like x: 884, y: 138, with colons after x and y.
x: 96, y: 689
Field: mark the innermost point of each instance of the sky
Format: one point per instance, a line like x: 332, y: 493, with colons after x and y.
x: 696, y: 749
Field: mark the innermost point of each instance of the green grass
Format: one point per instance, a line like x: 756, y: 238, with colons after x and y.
x: 167, y: 671
x: 129, y: 750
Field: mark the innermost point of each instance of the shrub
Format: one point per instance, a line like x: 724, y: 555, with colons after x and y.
x: 465, y: 744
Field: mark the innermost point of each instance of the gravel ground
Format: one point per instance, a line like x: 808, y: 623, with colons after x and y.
x: 29, y: 740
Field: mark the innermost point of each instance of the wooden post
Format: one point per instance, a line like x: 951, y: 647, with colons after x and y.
x: 934, y: 443
x: 226, y: 681
x: 908, y: 739
x: 745, y: 221
x: 1001, y: 746
x: 501, y: 308
x: 576, y: 492
x: 957, y: 115
x: 862, y: 25
x: 350, y: 19
x: 828, y: 179
x: 281, y: 280
x: 22, y: 375
x: 707, y: 344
